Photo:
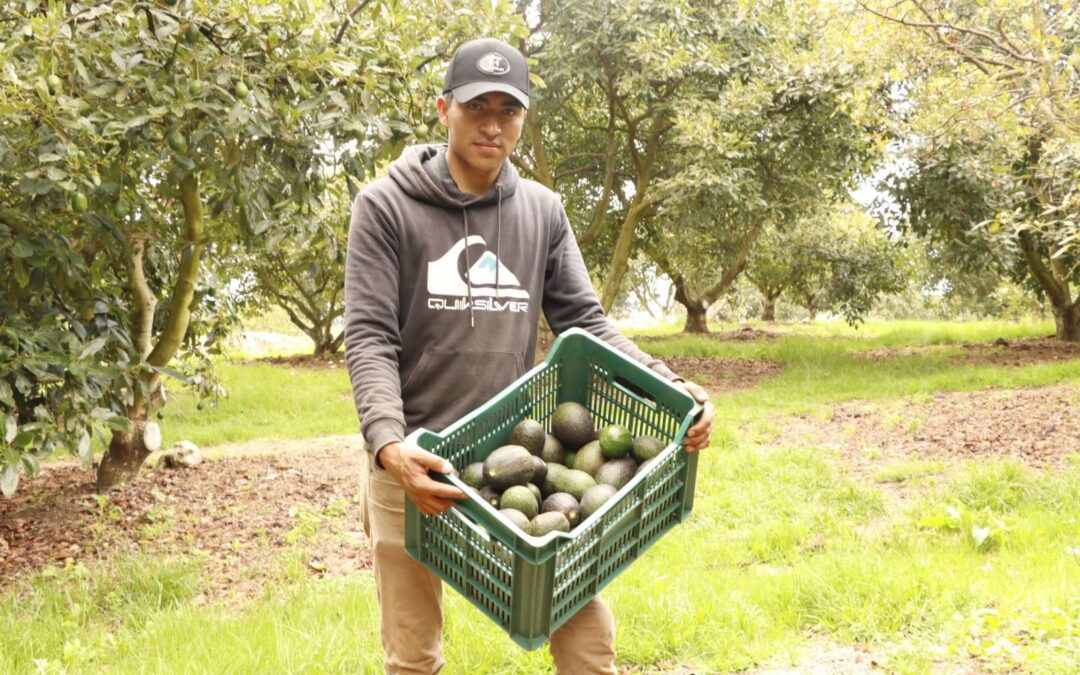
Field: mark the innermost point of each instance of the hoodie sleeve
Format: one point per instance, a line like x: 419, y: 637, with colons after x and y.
x: 372, y: 335
x: 570, y: 299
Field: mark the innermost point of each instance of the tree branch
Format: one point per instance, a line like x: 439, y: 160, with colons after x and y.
x: 142, y: 316
x: 186, y: 276
x: 349, y: 20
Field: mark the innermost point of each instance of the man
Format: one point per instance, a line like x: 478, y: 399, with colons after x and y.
x: 451, y: 260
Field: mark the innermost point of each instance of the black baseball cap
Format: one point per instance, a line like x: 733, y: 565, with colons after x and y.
x: 484, y: 65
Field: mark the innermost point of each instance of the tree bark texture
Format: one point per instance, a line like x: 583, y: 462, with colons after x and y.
x: 696, y: 321
x: 123, y: 458
x: 127, y: 451
x: 769, y: 312
x: 1068, y: 323
x: 1056, y: 286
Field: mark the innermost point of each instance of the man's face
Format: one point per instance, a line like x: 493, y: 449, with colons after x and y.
x: 483, y: 131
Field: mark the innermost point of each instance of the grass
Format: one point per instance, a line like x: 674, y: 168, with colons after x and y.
x: 787, y: 553
x: 265, y: 402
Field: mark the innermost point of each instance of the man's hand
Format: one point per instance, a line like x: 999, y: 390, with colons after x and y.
x: 697, y: 437
x: 410, y: 465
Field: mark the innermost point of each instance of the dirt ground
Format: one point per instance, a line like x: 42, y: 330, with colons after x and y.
x: 744, y: 334
x: 238, y: 513
x: 1037, y: 426
x: 1000, y: 352
x: 719, y: 375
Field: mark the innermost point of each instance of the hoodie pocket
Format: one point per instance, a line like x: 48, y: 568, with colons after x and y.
x: 445, y: 385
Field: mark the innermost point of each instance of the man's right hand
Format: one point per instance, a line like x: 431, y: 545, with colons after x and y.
x: 410, y: 465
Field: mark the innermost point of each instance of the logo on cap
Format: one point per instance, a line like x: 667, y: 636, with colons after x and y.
x: 493, y: 63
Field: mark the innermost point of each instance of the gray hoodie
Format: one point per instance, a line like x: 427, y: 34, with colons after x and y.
x: 443, y: 293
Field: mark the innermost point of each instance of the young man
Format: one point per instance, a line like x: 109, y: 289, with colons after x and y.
x: 451, y: 260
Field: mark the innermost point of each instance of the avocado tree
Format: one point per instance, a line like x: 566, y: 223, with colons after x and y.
x: 792, y: 131
x: 603, y: 129
x: 302, y: 268
x: 679, y: 129
x: 990, y: 170
x: 836, y: 259
x: 140, y: 141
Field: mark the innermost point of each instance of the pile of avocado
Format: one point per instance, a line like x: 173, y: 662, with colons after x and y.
x: 545, y: 482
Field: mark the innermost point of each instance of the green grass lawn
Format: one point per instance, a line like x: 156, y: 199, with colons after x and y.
x: 788, y: 552
x: 265, y: 401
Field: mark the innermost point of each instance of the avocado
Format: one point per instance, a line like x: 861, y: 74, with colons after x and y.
x: 553, y: 450
x: 589, y: 458
x: 617, y: 472
x: 569, y: 459
x: 520, y: 498
x: 594, y: 498
x: 530, y: 435
x: 616, y: 441
x: 563, y: 503
x: 536, y: 492
x: 646, y: 447
x: 548, y: 486
x: 572, y: 424
x: 539, y: 471
x: 573, y: 481
x: 517, y: 518
x: 551, y: 521
x: 473, y: 475
x: 508, y: 465
x: 490, y: 495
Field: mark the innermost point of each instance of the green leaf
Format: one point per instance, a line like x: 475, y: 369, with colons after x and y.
x: 11, y: 428
x: 22, y: 249
x: 93, y: 347
x: 9, y: 479
x: 30, y: 464
x: 83, y: 449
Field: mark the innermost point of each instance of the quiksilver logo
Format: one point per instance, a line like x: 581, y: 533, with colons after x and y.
x: 493, y: 63
x: 450, y: 286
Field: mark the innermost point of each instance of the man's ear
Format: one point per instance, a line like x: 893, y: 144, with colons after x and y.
x: 444, y: 110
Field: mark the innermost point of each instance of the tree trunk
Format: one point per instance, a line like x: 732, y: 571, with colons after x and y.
x: 811, y: 311
x: 126, y: 454
x: 1068, y: 322
x: 696, y: 321
x: 769, y: 313
x: 127, y: 450
x: 620, y: 256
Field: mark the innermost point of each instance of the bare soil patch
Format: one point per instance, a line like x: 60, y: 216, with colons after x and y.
x: 744, y: 334
x: 241, y: 514
x: 1000, y: 352
x: 1037, y: 426
x: 721, y: 375
x: 308, y: 361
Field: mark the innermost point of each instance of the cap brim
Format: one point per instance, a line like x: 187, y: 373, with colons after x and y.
x: 468, y: 92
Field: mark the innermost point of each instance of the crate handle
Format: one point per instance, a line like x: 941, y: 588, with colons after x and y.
x: 629, y: 387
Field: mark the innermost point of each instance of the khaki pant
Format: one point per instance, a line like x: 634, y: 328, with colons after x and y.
x: 410, y: 597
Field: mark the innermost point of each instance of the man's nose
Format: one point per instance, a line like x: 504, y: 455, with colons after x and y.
x: 490, y: 126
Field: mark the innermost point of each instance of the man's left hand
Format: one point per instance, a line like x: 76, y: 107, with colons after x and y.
x: 697, y: 438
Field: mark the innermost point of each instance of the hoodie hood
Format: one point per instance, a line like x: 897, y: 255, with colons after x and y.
x: 422, y: 173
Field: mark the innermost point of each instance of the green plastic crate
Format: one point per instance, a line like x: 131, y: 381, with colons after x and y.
x: 531, y: 585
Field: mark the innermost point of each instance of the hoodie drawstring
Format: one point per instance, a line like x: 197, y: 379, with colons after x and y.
x: 468, y: 267
x: 498, y: 238
x: 498, y: 252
